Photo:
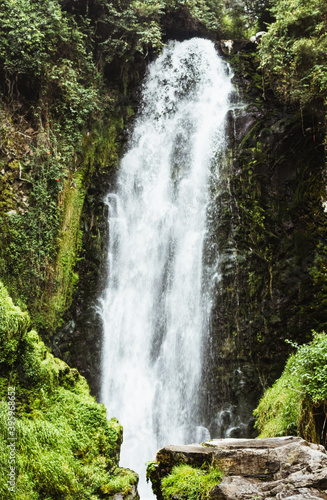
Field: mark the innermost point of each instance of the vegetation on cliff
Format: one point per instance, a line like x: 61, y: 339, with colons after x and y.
x: 293, y: 53
x: 272, y: 217
x: 49, y: 91
x: 297, y: 402
x: 270, y: 227
x: 65, y: 445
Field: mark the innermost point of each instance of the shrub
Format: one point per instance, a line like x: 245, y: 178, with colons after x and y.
x: 293, y: 52
x: 303, y: 384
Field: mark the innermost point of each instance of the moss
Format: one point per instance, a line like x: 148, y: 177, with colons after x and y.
x: 122, y: 481
x: 308, y: 426
x: 13, y: 325
x: 100, y: 151
x: 69, y: 244
x: 189, y: 483
x: 41, y: 220
x: 299, y: 396
x: 65, y: 447
x: 279, y: 410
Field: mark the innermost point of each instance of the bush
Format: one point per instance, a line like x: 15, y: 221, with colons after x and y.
x: 311, y: 367
x: 303, y: 384
x: 293, y: 53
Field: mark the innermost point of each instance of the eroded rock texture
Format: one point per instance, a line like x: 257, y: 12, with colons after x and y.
x: 274, y: 468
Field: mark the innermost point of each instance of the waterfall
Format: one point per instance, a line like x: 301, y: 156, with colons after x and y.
x: 156, y: 304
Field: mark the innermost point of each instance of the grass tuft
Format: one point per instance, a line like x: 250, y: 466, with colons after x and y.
x: 190, y: 483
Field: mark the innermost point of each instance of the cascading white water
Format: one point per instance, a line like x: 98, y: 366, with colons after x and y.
x: 153, y: 312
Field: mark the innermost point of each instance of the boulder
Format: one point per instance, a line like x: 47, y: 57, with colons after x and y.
x: 281, y: 468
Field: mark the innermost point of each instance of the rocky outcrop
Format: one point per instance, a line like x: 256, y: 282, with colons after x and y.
x: 262, y: 244
x: 274, y: 468
x: 133, y: 495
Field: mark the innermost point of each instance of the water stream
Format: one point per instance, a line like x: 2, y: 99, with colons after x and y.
x: 155, y: 308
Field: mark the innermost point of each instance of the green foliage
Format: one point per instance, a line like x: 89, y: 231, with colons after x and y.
x: 151, y: 475
x: 66, y: 447
x: 303, y: 380
x: 121, y: 481
x: 136, y: 25
x: 151, y: 468
x: 41, y: 42
x: 207, y: 12
x: 45, y: 54
x: 294, y: 51
x: 278, y: 412
x: 241, y: 20
x: 43, y: 237
x: 189, y: 483
x: 311, y: 367
x: 30, y: 32
x: 32, y: 236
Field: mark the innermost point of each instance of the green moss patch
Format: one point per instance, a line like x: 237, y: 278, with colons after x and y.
x: 65, y: 447
x: 298, y: 396
x: 189, y: 483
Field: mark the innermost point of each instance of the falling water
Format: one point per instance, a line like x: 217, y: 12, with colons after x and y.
x: 154, y: 308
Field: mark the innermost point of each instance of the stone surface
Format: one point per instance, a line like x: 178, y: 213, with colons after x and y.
x: 235, y: 487
x: 287, y: 468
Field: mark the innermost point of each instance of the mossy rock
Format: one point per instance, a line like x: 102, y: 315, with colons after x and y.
x: 66, y: 447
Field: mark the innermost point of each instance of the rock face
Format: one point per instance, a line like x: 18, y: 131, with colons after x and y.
x: 274, y: 468
x: 262, y: 244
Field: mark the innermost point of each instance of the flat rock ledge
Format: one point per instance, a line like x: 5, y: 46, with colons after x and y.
x: 285, y: 468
